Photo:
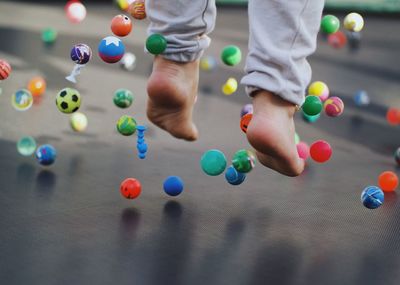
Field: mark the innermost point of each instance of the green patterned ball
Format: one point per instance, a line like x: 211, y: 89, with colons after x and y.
x: 243, y: 161
x: 126, y: 125
x: 123, y: 98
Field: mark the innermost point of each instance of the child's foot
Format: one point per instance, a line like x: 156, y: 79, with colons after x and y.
x: 271, y: 133
x: 172, y: 89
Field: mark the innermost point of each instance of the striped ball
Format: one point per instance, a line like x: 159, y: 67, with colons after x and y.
x: 138, y: 10
x: 334, y: 106
x: 5, y: 69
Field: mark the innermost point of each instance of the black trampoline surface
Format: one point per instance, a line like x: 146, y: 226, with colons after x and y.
x: 68, y: 223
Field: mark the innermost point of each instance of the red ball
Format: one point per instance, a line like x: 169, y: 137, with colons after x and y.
x: 388, y: 181
x: 130, y: 188
x: 337, y: 40
x: 5, y: 69
x: 393, y: 116
x: 320, y: 151
x: 303, y: 150
x: 121, y: 25
x: 245, y: 122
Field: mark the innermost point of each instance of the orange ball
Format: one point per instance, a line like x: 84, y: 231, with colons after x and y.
x: 121, y: 25
x: 388, y: 181
x: 37, y: 86
x: 245, y: 121
x: 393, y: 116
x: 138, y: 10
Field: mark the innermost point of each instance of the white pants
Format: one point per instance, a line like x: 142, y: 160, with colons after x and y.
x: 282, y: 34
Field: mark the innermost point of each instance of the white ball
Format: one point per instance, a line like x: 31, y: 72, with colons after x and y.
x: 128, y: 61
x: 78, y: 122
x: 353, y: 22
x: 76, y: 12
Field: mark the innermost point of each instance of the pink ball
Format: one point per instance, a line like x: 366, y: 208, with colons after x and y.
x: 320, y: 151
x: 303, y: 150
x: 334, y: 106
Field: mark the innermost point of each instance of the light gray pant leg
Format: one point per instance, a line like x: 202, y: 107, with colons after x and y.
x: 282, y: 34
x: 184, y: 23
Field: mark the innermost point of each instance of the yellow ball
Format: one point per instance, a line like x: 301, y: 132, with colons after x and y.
x: 319, y: 89
x: 353, y: 22
x: 78, y: 122
x: 230, y: 86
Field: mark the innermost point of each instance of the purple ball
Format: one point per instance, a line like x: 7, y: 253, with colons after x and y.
x: 248, y: 108
x: 81, y: 53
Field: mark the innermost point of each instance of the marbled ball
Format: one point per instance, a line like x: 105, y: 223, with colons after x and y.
x: 81, y: 53
x: 126, y: 125
x: 334, y: 106
x: 243, y: 161
x: 138, y: 10
x: 5, y: 69
x: 22, y: 100
x: 234, y: 177
x: 123, y: 98
x: 372, y: 197
x: 319, y: 89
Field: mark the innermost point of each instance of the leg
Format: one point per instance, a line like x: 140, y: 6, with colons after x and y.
x: 172, y: 86
x: 282, y: 35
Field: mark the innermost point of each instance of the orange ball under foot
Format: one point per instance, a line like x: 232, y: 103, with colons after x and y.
x: 37, y: 86
x: 388, y: 181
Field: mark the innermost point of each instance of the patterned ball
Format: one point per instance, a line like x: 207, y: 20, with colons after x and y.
x: 126, y: 125
x: 233, y: 176
x: 121, y: 25
x: 372, y: 197
x: 319, y: 89
x: 26, y: 146
x: 213, y: 162
x: 303, y: 150
x: 138, y: 10
x: 68, y: 100
x: 312, y: 105
x: 22, y: 100
x: 78, y: 122
x: 361, y: 98
x: 81, y: 53
x: 130, y: 188
x: 5, y: 69
x: 46, y: 154
x: 111, y: 49
x: 123, y: 98
x: 245, y: 121
x: 231, y: 55
x: 320, y: 151
x: 353, y: 22
x: 334, y: 106
x: 248, y: 108
x: 330, y: 24
x: 37, y: 86
x: 243, y: 161
x: 156, y: 44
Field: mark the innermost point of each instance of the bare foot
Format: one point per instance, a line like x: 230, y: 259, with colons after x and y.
x: 172, y: 89
x: 271, y: 133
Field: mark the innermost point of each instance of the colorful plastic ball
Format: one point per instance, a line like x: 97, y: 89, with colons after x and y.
x: 353, y: 22
x: 231, y: 55
x: 68, y: 100
x: 22, y: 100
x: 208, y: 63
x: 361, y: 98
x: 296, y: 138
x: 78, y: 122
x: 245, y: 121
x: 397, y: 156
x: 126, y: 125
x: 393, y: 116
x: 156, y: 44
x: 123, y: 98
x: 123, y: 4
x: 76, y: 11
x: 234, y: 177
x: 320, y: 151
x: 319, y: 89
x: 37, y: 86
x: 121, y: 25
x: 111, y: 49
x: 5, y: 69
x: 303, y: 150
x: 26, y: 146
x: 248, y: 108
x: 46, y: 154
x: 243, y: 161
x: 334, y: 106
x: 312, y: 105
x: 173, y: 186
x: 81, y: 53
x: 337, y: 40
x: 310, y: 119
x: 230, y: 86
x: 388, y: 181
x: 372, y: 197
x: 49, y: 36
x: 138, y: 10
x: 128, y: 61
x: 213, y: 162
x: 330, y: 24
x: 130, y: 188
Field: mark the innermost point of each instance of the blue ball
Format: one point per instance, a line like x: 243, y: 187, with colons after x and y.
x: 46, y: 154
x: 173, y: 186
x: 111, y: 49
x: 234, y: 177
x: 372, y: 197
x: 361, y: 98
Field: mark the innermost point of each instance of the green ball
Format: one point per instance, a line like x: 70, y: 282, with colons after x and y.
x: 213, y: 162
x: 312, y: 106
x: 49, y: 35
x: 156, y: 44
x: 68, y: 100
x: 231, y: 55
x: 26, y: 146
x: 330, y: 24
x: 126, y: 125
x: 311, y: 119
x: 243, y: 161
x: 123, y: 98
